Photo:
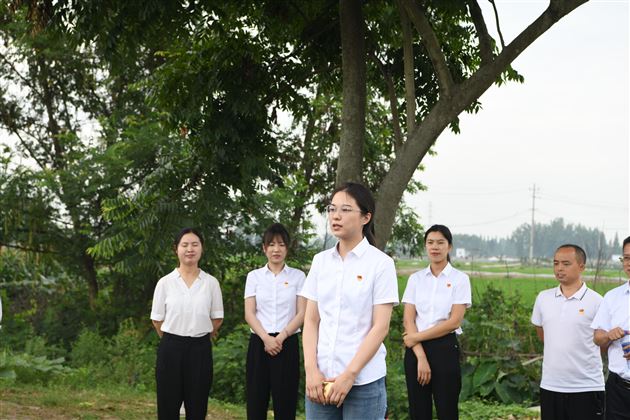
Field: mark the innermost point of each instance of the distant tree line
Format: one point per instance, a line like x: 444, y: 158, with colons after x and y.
x: 547, y: 237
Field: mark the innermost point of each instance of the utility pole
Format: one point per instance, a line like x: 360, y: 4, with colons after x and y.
x: 531, y: 230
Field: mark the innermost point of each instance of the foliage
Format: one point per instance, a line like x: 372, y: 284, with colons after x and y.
x: 27, y: 368
x: 229, y: 355
x: 497, y: 334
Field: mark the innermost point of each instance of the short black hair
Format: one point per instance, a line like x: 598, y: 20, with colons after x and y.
x: 625, y: 242
x: 580, y: 254
x: 277, y: 229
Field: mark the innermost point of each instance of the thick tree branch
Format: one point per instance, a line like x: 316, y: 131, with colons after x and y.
x: 393, y: 102
x: 432, y: 45
x: 496, y: 18
x: 409, y: 68
x: 485, y: 40
x: 406, y: 162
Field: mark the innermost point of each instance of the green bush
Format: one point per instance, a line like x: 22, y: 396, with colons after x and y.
x: 27, y: 368
x: 497, y: 333
x: 90, y: 348
x: 229, y: 356
x: 132, y: 358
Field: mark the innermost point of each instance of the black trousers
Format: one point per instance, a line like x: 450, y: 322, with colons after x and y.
x: 446, y: 380
x: 572, y: 405
x: 183, y: 372
x: 279, y: 374
x: 617, y: 398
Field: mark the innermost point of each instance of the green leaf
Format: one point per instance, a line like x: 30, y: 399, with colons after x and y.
x: 484, y: 373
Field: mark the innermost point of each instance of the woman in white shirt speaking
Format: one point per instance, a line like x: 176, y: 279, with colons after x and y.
x: 351, y: 290
x: 187, y: 311
x: 435, y: 301
x: 275, y: 312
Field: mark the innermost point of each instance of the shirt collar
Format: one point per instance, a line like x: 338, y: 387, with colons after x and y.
x: 446, y: 270
x: 284, y: 269
x: 627, y: 289
x: 577, y: 295
x: 358, y: 250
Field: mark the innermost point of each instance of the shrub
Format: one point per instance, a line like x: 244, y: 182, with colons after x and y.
x: 229, y: 356
x: 498, y: 334
x: 27, y: 368
x: 89, y: 349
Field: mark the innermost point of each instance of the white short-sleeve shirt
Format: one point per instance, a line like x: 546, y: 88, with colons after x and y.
x: 187, y: 311
x: 276, y: 296
x: 615, y: 312
x: 571, y: 361
x: 435, y: 296
x: 346, y: 291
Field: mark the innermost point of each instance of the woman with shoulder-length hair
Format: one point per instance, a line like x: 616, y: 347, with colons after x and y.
x: 350, y: 290
x: 274, y: 311
x: 435, y: 301
x: 187, y: 311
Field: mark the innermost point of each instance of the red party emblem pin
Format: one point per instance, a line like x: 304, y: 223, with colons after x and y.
x: 360, y: 277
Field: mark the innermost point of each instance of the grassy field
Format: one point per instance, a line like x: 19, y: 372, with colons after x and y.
x: 528, y: 286
x: 19, y: 401
x: 511, y: 268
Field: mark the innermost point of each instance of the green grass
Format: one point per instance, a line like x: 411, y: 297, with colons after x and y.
x: 63, y: 402
x: 527, y: 287
x: 500, y: 268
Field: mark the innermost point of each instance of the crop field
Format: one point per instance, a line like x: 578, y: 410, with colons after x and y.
x: 525, y: 280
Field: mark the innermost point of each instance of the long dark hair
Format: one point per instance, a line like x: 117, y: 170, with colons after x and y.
x: 365, y: 201
x: 445, y: 232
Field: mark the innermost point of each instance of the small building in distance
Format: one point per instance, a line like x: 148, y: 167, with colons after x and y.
x: 460, y: 253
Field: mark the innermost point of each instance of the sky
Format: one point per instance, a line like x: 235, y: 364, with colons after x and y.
x: 565, y: 130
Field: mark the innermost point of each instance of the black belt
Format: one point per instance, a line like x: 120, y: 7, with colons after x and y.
x: 618, y: 380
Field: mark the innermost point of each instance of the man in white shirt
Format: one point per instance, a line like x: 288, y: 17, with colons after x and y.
x: 572, y: 384
x: 612, y: 325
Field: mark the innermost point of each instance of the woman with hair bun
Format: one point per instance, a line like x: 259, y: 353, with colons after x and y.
x: 435, y: 299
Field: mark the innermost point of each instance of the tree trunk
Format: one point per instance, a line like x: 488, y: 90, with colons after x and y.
x: 354, y: 64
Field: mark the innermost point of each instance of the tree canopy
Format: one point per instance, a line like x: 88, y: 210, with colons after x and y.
x: 131, y: 119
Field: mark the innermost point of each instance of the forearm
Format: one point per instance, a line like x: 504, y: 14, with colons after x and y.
x: 310, y: 336
x: 158, y: 327
x: 438, y: 330
x: 367, y: 350
x: 216, y: 324
x: 410, y: 327
x: 294, y: 324
x: 255, y: 324
x: 373, y: 339
x: 298, y: 319
x: 600, y: 338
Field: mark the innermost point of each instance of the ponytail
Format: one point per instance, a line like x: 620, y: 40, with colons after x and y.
x: 365, y: 201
